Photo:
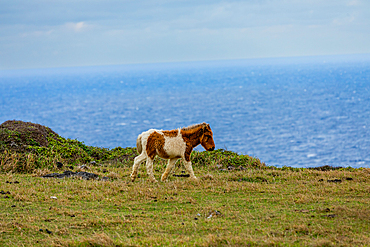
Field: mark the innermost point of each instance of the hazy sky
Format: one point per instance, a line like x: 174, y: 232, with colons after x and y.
x: 60, y: 33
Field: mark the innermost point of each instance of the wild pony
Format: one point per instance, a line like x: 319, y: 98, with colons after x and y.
x: 171, y: 145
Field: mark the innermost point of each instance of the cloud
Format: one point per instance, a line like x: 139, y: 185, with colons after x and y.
x: 353, y: 3
x: 135, y: 31
x: 77, y: 26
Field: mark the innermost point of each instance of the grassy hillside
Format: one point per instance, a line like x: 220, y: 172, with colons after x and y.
x: 26, y: 147
x: 239, y: 201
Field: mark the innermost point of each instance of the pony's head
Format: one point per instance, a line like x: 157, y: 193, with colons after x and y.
x: 206, y: 139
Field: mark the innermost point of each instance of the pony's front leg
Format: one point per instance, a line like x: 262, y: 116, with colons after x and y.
x: 138, y: 160
x: 149, y: 169
x: 189, y: 168
x: 170, y: 165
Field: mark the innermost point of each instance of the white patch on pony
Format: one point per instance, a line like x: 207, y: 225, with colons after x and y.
x: 174, y: 146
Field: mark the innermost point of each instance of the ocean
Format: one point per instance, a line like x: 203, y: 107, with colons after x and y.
x: 299, y: 112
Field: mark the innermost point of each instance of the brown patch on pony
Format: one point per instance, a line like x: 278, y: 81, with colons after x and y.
x: 194, y: 126
x: 207, y: 138
x: 195, y: 135
x: 188, y: 151
x: 170, y: 133
x: 191, y: 136
x: 155, y: 145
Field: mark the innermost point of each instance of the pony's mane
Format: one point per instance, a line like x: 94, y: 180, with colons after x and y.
x: 194, y: 126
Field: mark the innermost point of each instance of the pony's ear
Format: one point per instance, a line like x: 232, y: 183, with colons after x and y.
x: 204, y: 127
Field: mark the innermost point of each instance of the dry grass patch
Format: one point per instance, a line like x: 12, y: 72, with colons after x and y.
x: 263, y: 207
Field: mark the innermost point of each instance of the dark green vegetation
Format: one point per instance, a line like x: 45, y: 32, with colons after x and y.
x: 238, y: 201
x: 26, y: 146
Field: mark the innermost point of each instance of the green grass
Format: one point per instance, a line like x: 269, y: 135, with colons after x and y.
x: 238, y: 201
x: 257, y: 207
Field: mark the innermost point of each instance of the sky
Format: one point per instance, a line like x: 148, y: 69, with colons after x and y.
x: 68, y: 33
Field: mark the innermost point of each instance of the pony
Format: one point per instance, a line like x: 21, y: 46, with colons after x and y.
x: 171, y: 145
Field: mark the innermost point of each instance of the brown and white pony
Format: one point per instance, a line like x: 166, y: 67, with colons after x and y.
x: 171, y: 145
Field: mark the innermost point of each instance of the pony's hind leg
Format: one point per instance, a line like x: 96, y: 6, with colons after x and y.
x: 170, y: 165
x: 149, y: 169
x: 138, y: 160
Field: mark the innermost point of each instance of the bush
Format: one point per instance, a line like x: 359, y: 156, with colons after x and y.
x: 26, y: 146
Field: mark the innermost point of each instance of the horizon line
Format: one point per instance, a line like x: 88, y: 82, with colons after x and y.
x: 357, y: 55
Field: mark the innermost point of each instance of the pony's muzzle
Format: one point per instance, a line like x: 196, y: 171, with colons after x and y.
x: 211, y: 149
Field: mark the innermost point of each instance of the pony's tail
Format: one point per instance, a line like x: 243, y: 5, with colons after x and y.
x: 138, y: 144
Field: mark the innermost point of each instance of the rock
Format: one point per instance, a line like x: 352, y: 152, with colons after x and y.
x: 84, y: 167
x: 230, y: 168
x: 53, y: 175
x: 86, y: 175
x: 329, y: 215
x: 66, y: 174
x: 59, y: 165
x: 335, y: 181
x: 181, y: 175
x: 26, y: 133
x: 214, y: 213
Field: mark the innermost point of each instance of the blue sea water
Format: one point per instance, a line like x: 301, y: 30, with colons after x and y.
x: 300, y: 112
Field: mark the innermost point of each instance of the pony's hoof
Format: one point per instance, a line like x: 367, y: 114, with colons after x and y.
x: 133, y: 179
x: 194, y: 179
